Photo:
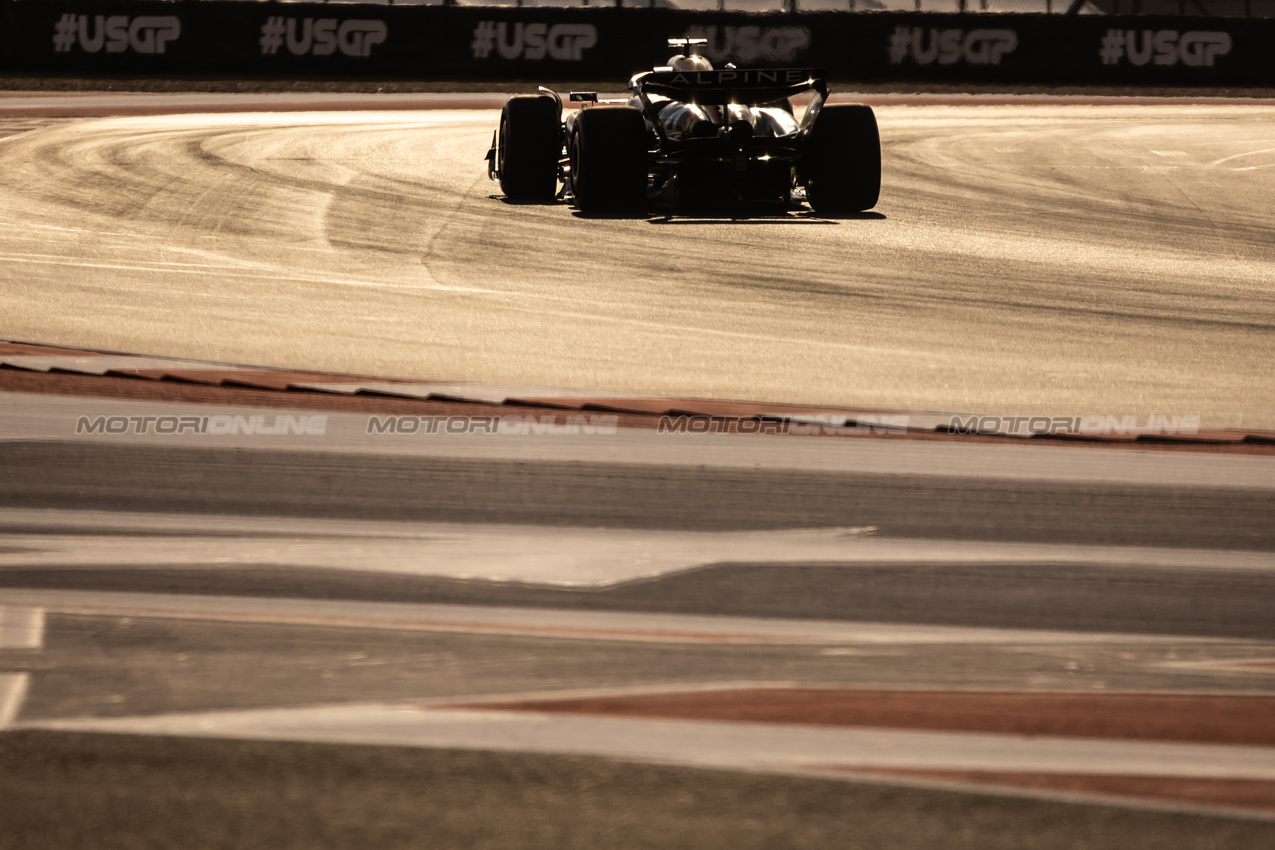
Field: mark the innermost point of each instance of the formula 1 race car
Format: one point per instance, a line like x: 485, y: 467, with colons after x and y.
x: 690, y: 136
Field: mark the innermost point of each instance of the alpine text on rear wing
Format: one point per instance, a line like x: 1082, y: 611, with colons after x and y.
x: 732, y: 85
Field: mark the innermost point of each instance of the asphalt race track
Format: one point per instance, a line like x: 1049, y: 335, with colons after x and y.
x: 546, y: 635
x: 1052, y: 257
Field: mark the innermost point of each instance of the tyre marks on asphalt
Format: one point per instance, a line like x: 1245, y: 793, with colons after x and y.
x: 1088, y: 305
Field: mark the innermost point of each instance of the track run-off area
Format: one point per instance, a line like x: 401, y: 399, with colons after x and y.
x: 1051, y: 256
x: 334, y: 634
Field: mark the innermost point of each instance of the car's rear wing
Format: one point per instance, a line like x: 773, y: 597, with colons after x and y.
x: 748, y: 86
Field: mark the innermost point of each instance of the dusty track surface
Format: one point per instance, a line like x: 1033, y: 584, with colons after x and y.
x: 1044, y: 258
x: 633, y: 639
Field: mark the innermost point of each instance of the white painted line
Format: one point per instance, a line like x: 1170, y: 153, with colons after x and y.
x: 756, y: 748
x: 21, y: 628
x: 13, y: 690
x: 571, y: 557
x: 739, y: 746
x: 582, y: 557
x: 552, y: 555
x: 548, y: 622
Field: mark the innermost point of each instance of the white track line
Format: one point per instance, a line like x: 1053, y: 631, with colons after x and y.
x: 547, y: 622
x: 13, y: 690
x: 21, y: 628
x: 550, y: 555
x: 740, y: 746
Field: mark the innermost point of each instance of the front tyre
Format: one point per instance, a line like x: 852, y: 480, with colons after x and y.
x: 609, y: 159
x: 528, y: 145
x: 844, y: 173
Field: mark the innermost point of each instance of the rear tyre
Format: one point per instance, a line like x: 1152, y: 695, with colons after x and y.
x: 529, y: 143
x: 845, y: 160
x: 609, y: 159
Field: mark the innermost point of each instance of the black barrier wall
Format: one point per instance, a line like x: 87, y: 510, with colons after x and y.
x: 314, y: 40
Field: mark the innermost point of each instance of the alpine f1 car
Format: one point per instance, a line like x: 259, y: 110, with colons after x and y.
x: 687, y: 136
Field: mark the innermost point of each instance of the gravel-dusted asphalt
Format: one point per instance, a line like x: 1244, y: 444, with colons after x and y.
x: 166, y: 792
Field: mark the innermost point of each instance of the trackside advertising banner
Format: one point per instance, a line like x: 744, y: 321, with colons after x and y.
x: 291, y: 40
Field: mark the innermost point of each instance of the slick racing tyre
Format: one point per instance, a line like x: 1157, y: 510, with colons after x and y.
x: 528, y: 144
x: 844, y: 172
x: 609, y: 159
